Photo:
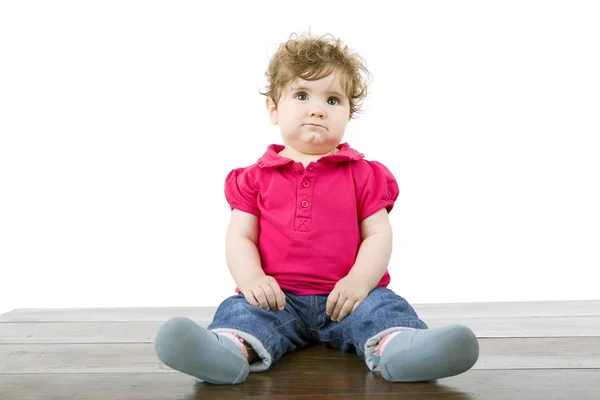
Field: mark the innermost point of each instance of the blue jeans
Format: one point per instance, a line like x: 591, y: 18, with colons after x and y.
x: 303, y: 322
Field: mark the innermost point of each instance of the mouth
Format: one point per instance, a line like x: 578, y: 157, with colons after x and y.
x: 320, y: 126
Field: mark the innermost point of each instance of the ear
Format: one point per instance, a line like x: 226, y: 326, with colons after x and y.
x: 272, y: 109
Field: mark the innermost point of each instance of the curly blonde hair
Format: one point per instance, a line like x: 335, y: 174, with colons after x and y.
x: 314, y: 57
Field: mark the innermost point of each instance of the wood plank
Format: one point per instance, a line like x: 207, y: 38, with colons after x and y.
x: 425, y: 311
x: 143, y: 332
x: 277, y: 384
x: 571, y: 308
x: 125, y: 314
x: 516, y: 353
x: 534, y: 394
x: 80, y: 332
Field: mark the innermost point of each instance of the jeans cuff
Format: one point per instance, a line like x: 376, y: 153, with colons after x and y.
x: 371, y: 358
x: 265, y: 358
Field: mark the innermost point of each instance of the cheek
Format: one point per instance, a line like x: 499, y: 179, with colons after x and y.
x: 290, y: 117
x: 341, y: 121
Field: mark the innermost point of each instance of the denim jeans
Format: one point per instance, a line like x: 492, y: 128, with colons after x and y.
x: 303, y: 322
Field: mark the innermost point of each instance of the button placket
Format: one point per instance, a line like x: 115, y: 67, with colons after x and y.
x: 305, y: 192
x: 304, y: 209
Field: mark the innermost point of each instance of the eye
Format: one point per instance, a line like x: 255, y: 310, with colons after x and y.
x: 335, y: 101
x: 300, y: 94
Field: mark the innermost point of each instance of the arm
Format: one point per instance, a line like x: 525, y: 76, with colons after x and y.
x: 371, y: 262
x: 243, y: 260
x: 375, y: 249
x: 241, y: 249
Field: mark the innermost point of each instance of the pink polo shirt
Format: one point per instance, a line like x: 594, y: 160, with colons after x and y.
x: 310, y: 217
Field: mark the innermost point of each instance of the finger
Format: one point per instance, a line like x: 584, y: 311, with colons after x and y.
x: 279, y: 296
x: 250, y: 298
x: 331, y: 300
x: 338, y: 307
x: 261, y: 297
x: 358, y: 303
x: 270, y: 295
x: 281, y: 300
x: 346, y: 308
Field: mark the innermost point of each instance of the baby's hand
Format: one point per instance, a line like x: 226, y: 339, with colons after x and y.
x: 263, y: 292
x: 345, y: 297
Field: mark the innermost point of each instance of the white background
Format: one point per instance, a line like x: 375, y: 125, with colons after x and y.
x: 119, y: 121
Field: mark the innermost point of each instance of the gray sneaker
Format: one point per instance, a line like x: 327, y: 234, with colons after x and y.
x: 187, y: 347
x: 429, y: 354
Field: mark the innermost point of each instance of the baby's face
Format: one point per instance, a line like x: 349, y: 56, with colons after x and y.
x: 312, y: 115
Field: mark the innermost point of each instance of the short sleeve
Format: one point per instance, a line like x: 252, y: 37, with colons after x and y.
x: 241, y: 192
x: 379, y: 191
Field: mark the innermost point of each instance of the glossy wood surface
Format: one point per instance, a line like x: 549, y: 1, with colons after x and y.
x: 537, y: 350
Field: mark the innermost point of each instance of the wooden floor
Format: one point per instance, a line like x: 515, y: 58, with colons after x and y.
x: 533, y: 350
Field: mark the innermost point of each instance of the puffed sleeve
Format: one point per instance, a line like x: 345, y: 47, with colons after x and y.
x: 380, y: 190
x: 241, y: 191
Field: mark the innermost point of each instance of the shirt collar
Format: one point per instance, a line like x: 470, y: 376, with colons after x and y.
x: 273, y: 160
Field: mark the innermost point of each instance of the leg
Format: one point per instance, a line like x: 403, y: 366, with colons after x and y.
x: 415, y: 354
x: 271, y: 333
x: 185, y: 346
x: 380, y: 313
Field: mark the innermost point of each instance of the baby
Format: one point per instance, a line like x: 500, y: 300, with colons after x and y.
x: 309, y: 242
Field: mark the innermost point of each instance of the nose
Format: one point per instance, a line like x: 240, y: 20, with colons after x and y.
x: 317, y: 112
